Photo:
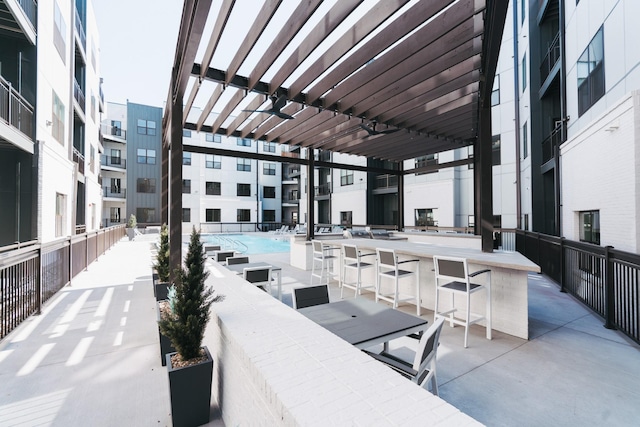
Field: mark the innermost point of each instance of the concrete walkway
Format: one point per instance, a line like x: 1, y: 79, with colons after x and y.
x: 92, y: 359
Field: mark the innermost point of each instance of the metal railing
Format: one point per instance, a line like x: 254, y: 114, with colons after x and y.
x: 30, y: 8
x: 78, y: 94
x: 80, y: 31
x: 114, y: 131
x: 323, y: 190
x: 605, y: 279
x: 385, y: 181
x: 31, y: 273
x: 15, y: 110
x: 79, y: 159
x: 551, y: 142
x: 117, y: 193
x: 550, y: 59
x: 117, y: 162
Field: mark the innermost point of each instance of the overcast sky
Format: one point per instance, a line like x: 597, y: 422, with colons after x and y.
x: 137, y: 47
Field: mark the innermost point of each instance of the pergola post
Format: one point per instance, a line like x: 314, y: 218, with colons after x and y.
x: 400, y: 219
x: 310, y: 193
x: 175, y: 187
x: 483, y: 175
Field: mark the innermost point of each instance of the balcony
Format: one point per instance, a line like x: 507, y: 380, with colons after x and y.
x: 114, y: 192
x: 551, y: 142
x: 78, y: 94
x: 550, y: 59
x: 112, y: 131
x: 116, y: 162
x: 79, y: 159
x: 385, y: 181
x: 15, y: 110
x: 323, y: 190
x: 80, y: 31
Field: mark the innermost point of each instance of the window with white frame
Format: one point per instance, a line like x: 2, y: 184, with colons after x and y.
x: 57, y: 119
x: 60, y: 32
x: 61, y: 214
x: 268, y: 168
x: 210, y: 137
x: 212, y: 161
x: 146, y: 127
x: 186, y: 159
x: 243, y: 165
x: 243, y: 142
x: 146, y: 156
x: 346, y: 177
x: 269, y: 147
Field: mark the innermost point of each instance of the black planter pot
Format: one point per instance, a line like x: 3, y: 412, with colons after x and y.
x: 161, y: 290
x: 165, y: 343
x: 190, y: 391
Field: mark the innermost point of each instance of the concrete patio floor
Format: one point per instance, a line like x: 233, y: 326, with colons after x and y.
x: 92, y: 358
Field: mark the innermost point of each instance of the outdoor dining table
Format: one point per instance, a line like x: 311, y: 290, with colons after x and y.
x: 239, y: 269
x: 364, y: 323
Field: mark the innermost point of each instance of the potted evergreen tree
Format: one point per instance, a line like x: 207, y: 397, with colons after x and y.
x: 132, y: 224
x: 161, y: 266
x: 191, y: 367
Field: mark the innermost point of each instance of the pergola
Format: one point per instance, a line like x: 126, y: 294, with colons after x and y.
x: 385, y: 79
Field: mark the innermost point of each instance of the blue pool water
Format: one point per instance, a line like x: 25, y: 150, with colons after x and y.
x: 255, y: 243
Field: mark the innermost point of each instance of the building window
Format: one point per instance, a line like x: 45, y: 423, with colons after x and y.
x: 244, y: 215
x: 146, y: 127
x: 146, y: 215
x: 57, y: 119
x: 269, y: 192
x: 146, y: 185
x: 525, y: 141
x: 116, y: 128
x: 114, y: 215
x: 115, y: 186
x: 524, y: 72
x: 428, y: 160
x: 243, y: 189
x: 186, y: 215
x: 186, y: 186
x: 213, y: 188
x: 346, y: 218
x: 346, y: 177
x: 269, y: 147
x: 61, y: 214
x: 269, y: 215
x: 93, y: 107
x: 212, y: 162
x: 210, y: 137
x: 115, y: 157
x: 212, y: 215
x: 186, y: 159
x: 495, y: 93
x: 60, y: 33
x: 424, y: 217
x: 590, y: 227
x: 268, y: 168
x: 591, y: 73
x: 92, y: 158
x: 243, y: 142
x: 495, y: 150
x: 146, y: 156
x: 186, y: 133
x: 244, y: 165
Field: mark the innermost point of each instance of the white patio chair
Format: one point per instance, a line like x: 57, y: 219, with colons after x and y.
x: 322, y: 255
x: 259, y: 276
x: 352, y: 260
x: 388, y: 266
x: 455, y: 272
x: 423, y: 368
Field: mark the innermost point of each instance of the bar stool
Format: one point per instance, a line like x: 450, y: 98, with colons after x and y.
x: 389, y: 267
x: 352, y: 260
x: 322, y: 254
x: 455, y: 272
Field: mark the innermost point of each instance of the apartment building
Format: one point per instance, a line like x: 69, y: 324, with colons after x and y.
x: 51, y: 106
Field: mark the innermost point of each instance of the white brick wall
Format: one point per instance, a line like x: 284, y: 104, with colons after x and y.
x: 273, y: 366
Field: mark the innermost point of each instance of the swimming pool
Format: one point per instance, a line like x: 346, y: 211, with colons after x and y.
x: 257, y: 243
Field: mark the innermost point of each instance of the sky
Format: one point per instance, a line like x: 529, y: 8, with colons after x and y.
x: 137, y: 48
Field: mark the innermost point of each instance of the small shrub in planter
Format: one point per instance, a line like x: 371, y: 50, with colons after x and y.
x: 191, y: 367
x: 161, y: 265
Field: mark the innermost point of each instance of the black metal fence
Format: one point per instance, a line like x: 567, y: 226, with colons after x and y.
x: 605, y: 279
x: 31, y: 273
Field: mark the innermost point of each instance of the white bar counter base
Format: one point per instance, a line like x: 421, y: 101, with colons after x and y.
x: 273, y: 366
x: 510, y: 312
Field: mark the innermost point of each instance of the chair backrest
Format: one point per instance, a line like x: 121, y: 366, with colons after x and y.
x: 221, y: 256
x: 387, y: 258
x: 310, y: 296
x: 237, y: 260
x: 428, y: 346
x: 450, y: 268
x: 317, y: 246
x: 257, y: 275
x: 209, y: 248
x: 350, y: 252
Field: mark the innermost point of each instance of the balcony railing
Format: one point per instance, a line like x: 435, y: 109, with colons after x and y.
x: 114, y: 131
x: 79, y: 159
x: 78, y: 94
x: 80, y: 31
x: 550, y: 143
x: 30, y: 8
x: 115, y: 193
x: 116, y: 162
x: 323, y: 190
x: 550, y: 59
x: 15, y: 110
x: 386, y: 181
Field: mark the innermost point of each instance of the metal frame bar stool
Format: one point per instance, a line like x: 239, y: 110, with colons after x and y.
x: 352, y: 260
x: 388, y: 266
x: 322, y: 254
